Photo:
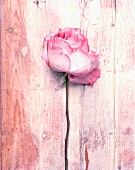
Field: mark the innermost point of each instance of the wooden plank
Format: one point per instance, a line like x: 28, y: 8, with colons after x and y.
x: 91, y: 109
x: 125, y: 85
x: 33, y: 122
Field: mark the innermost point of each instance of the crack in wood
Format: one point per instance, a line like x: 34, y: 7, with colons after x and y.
x: 86, y: 157
x: 115, y: 8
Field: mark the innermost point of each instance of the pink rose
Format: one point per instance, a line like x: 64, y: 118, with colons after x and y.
x: 68, y: 51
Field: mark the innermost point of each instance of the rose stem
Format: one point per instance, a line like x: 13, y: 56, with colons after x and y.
x: 68, y: 126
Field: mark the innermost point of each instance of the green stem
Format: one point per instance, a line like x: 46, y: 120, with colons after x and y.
x: 68, y: 126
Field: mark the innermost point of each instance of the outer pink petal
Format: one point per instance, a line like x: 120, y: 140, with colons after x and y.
x: 77, y: 31
x: 57, y: 60
x: 84, y: 47
x: 45, y: 46
x: 90, y: 79
x: 80, y: 63
x: 94, y: 60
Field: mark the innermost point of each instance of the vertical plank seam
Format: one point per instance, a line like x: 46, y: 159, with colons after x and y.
x: 114, y: 84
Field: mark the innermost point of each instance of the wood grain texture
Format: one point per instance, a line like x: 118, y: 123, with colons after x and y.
x: 33, y: 120
x: 91, y: 144
x: 125, y: 85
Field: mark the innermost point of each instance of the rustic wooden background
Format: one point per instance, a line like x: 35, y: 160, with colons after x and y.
x: 33, y: 121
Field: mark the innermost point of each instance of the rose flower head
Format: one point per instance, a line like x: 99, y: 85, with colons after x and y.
x: 68, y: 51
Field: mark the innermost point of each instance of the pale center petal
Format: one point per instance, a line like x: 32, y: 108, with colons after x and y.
x: 79, y: 60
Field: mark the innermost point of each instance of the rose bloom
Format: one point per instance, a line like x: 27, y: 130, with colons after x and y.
x: 68, y: 51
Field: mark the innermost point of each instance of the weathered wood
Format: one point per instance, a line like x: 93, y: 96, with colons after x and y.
x: 33, y: 112
x: 33, y: 120
x: 91, y: 144
x: 125, y: 85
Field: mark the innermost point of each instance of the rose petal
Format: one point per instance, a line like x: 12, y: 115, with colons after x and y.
x: 77, y: 31
x: 84, y: 47
x: 69, y: 32
x: 45, y: 46
x: 63, y: 45
x: 94, y: 60
x: 90, y: 79
x: 80, y: 63
x: 78, y: 41
x: 57, y: 59
x: 74, y: 43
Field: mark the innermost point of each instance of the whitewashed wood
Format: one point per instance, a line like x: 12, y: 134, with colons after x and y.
x: 125, y: 85
x: 91, y: 144
x: 33, y: 112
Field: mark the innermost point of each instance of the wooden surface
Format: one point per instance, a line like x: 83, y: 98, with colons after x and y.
x: 33, y: 111
x: 125, y: 85
x: 92, y: 108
